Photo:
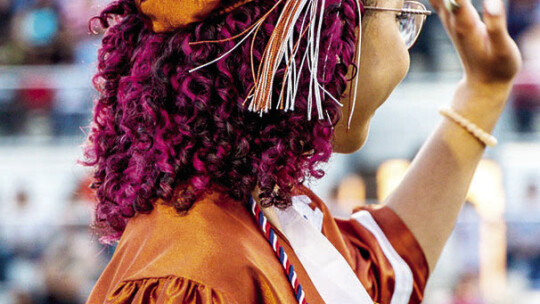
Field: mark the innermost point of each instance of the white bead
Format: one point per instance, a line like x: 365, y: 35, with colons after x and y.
x: 481, y: 135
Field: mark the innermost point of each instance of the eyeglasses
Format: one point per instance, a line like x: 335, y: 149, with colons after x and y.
x: 412, y: 16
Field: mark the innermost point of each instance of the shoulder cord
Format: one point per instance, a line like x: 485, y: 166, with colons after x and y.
x: 270, y: 235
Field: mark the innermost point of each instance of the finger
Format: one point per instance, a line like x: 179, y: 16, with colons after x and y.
x: 451, y: 5
x: 459, y: 18
x: 465, y: 17
x: 495, y: 20
x: 441, y: 11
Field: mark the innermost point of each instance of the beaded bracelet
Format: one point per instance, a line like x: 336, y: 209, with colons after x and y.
x: 481, y: 135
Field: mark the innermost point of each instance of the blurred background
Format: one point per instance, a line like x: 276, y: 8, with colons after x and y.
x: 48, y: 255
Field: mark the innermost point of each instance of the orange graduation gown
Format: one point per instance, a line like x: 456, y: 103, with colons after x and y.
x: 215, y: 253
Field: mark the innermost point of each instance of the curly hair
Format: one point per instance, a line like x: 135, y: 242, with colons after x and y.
x: 156, y: 127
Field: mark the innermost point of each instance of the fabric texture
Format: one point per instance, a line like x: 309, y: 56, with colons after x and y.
x: 169, y: 15
x: 215, y: 253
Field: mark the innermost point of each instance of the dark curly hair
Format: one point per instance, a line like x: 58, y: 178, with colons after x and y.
x: 156, y: 127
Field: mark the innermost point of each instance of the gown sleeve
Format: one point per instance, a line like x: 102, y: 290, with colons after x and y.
x: 385, y: 255
x: 168, y: 290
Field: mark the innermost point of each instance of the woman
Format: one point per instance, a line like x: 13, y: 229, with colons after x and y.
x: 200, y: 169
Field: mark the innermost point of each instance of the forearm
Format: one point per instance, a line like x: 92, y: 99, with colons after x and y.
x: 433, y: 191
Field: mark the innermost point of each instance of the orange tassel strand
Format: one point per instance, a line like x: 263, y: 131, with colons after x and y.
x: 282, y: 46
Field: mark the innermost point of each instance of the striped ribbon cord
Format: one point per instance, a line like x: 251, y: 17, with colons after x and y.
x: 271, y: 236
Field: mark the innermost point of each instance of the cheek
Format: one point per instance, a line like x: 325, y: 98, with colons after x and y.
x: 404, y: 63
x: 398, y: 53
x: 387, y: 57
x: 396, y: 59
x: 392, y: 68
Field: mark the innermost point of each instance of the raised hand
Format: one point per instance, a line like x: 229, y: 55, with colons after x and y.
x: 432, y: 193
x: 487, y: 53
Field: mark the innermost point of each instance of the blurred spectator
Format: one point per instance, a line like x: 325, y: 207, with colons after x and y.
x: 22, y: 239
x: 47, y: 31
x: 12, y: 114
x: 36, y: 93
x: 6, y: 13
x: 22, y: 297
x: 526, y: 101
x: 71, y: 264
x: 40, y: 24
x: 5, y: 256
x: 38, y: 31
x: 36, y: 97
x: 521, y: 14
x: 523, y: 255
x: 526, y: 92
x: 73, y: 260
x: 44, y: 263
x: 71, y: 110
x: 23, y: 223
x: 80, y: 205
x: 532, y: 198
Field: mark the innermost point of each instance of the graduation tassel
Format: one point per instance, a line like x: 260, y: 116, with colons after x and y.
x: 361, y: 10
x: 282, y: 45
x: 273, y: 54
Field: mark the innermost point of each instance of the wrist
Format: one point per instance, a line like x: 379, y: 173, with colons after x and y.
x: 481, y: 103
x: 495, y: 91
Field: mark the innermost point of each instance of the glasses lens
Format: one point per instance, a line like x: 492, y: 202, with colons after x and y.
x: 411, y: 24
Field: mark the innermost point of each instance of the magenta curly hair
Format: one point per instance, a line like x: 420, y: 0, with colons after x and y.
x: 157, y: 127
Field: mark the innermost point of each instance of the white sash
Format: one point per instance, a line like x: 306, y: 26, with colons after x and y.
x: 329, y: 271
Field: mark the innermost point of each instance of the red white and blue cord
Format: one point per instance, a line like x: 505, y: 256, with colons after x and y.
x: 272, y: 238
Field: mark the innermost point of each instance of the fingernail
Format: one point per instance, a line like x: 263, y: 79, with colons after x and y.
x: 493, y: 7
x: 451, y: 5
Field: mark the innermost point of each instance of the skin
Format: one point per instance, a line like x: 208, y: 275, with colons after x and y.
x: 384, y: 62
x: 433, y: 192
x: 434, y: 189
x: 381, y: 70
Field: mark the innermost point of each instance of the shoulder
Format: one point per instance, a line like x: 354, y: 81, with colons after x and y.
x: 208, y: 236
x: 215, y: 247
x: 388, y: 257
x: 168, y: 289
x: 380, y: 248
